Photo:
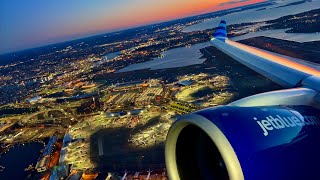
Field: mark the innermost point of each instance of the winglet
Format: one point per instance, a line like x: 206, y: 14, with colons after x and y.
x: 221, y: 32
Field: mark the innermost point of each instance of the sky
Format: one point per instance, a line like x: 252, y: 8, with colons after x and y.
x: 32, y: 23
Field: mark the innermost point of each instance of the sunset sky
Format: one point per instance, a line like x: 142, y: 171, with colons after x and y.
x: 31, y: 23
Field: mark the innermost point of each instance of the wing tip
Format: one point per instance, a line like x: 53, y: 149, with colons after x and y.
x: 221, y: 31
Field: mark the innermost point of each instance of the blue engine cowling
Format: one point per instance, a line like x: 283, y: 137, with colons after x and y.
x: 228, y: 142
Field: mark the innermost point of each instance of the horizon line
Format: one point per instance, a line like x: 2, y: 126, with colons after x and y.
x: 118, y: 30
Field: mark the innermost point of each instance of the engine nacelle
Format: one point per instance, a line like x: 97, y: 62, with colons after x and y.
x: 229, y: 142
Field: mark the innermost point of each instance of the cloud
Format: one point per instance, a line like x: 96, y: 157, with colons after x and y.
x: 232, y: 2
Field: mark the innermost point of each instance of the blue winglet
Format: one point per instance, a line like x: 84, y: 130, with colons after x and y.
x: 221, y: 32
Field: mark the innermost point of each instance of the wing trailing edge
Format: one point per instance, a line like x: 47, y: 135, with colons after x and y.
x: 275, y: 67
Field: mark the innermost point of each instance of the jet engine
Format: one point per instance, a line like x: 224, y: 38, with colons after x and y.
x: 233, y: 142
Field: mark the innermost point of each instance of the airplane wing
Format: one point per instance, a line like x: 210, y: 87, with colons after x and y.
x: 278, y: 68
x: 273, y: 132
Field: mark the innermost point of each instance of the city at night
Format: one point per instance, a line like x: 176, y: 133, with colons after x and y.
x: 148, y: 90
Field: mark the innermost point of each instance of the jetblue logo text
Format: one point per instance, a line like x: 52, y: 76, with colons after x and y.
x: 278, y: 122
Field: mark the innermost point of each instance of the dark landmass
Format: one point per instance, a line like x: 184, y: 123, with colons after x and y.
x: 7, y: 111
x: 307, y: 22
x: 261, y: 9
x: 292, y: 4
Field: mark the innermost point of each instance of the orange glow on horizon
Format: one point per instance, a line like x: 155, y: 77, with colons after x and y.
x: 152, y: 14
x: 135, y: 16
x: 279, y: 60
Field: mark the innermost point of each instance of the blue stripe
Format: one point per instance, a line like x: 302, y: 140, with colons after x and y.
x: 220, y: 34
x: 221, y: 31
x: 223, y: 21
x: 221, y: 27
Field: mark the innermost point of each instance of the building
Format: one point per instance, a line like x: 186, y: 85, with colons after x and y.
x: 43, y: 163
x: 185, y: 83
x: 33, y: 99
